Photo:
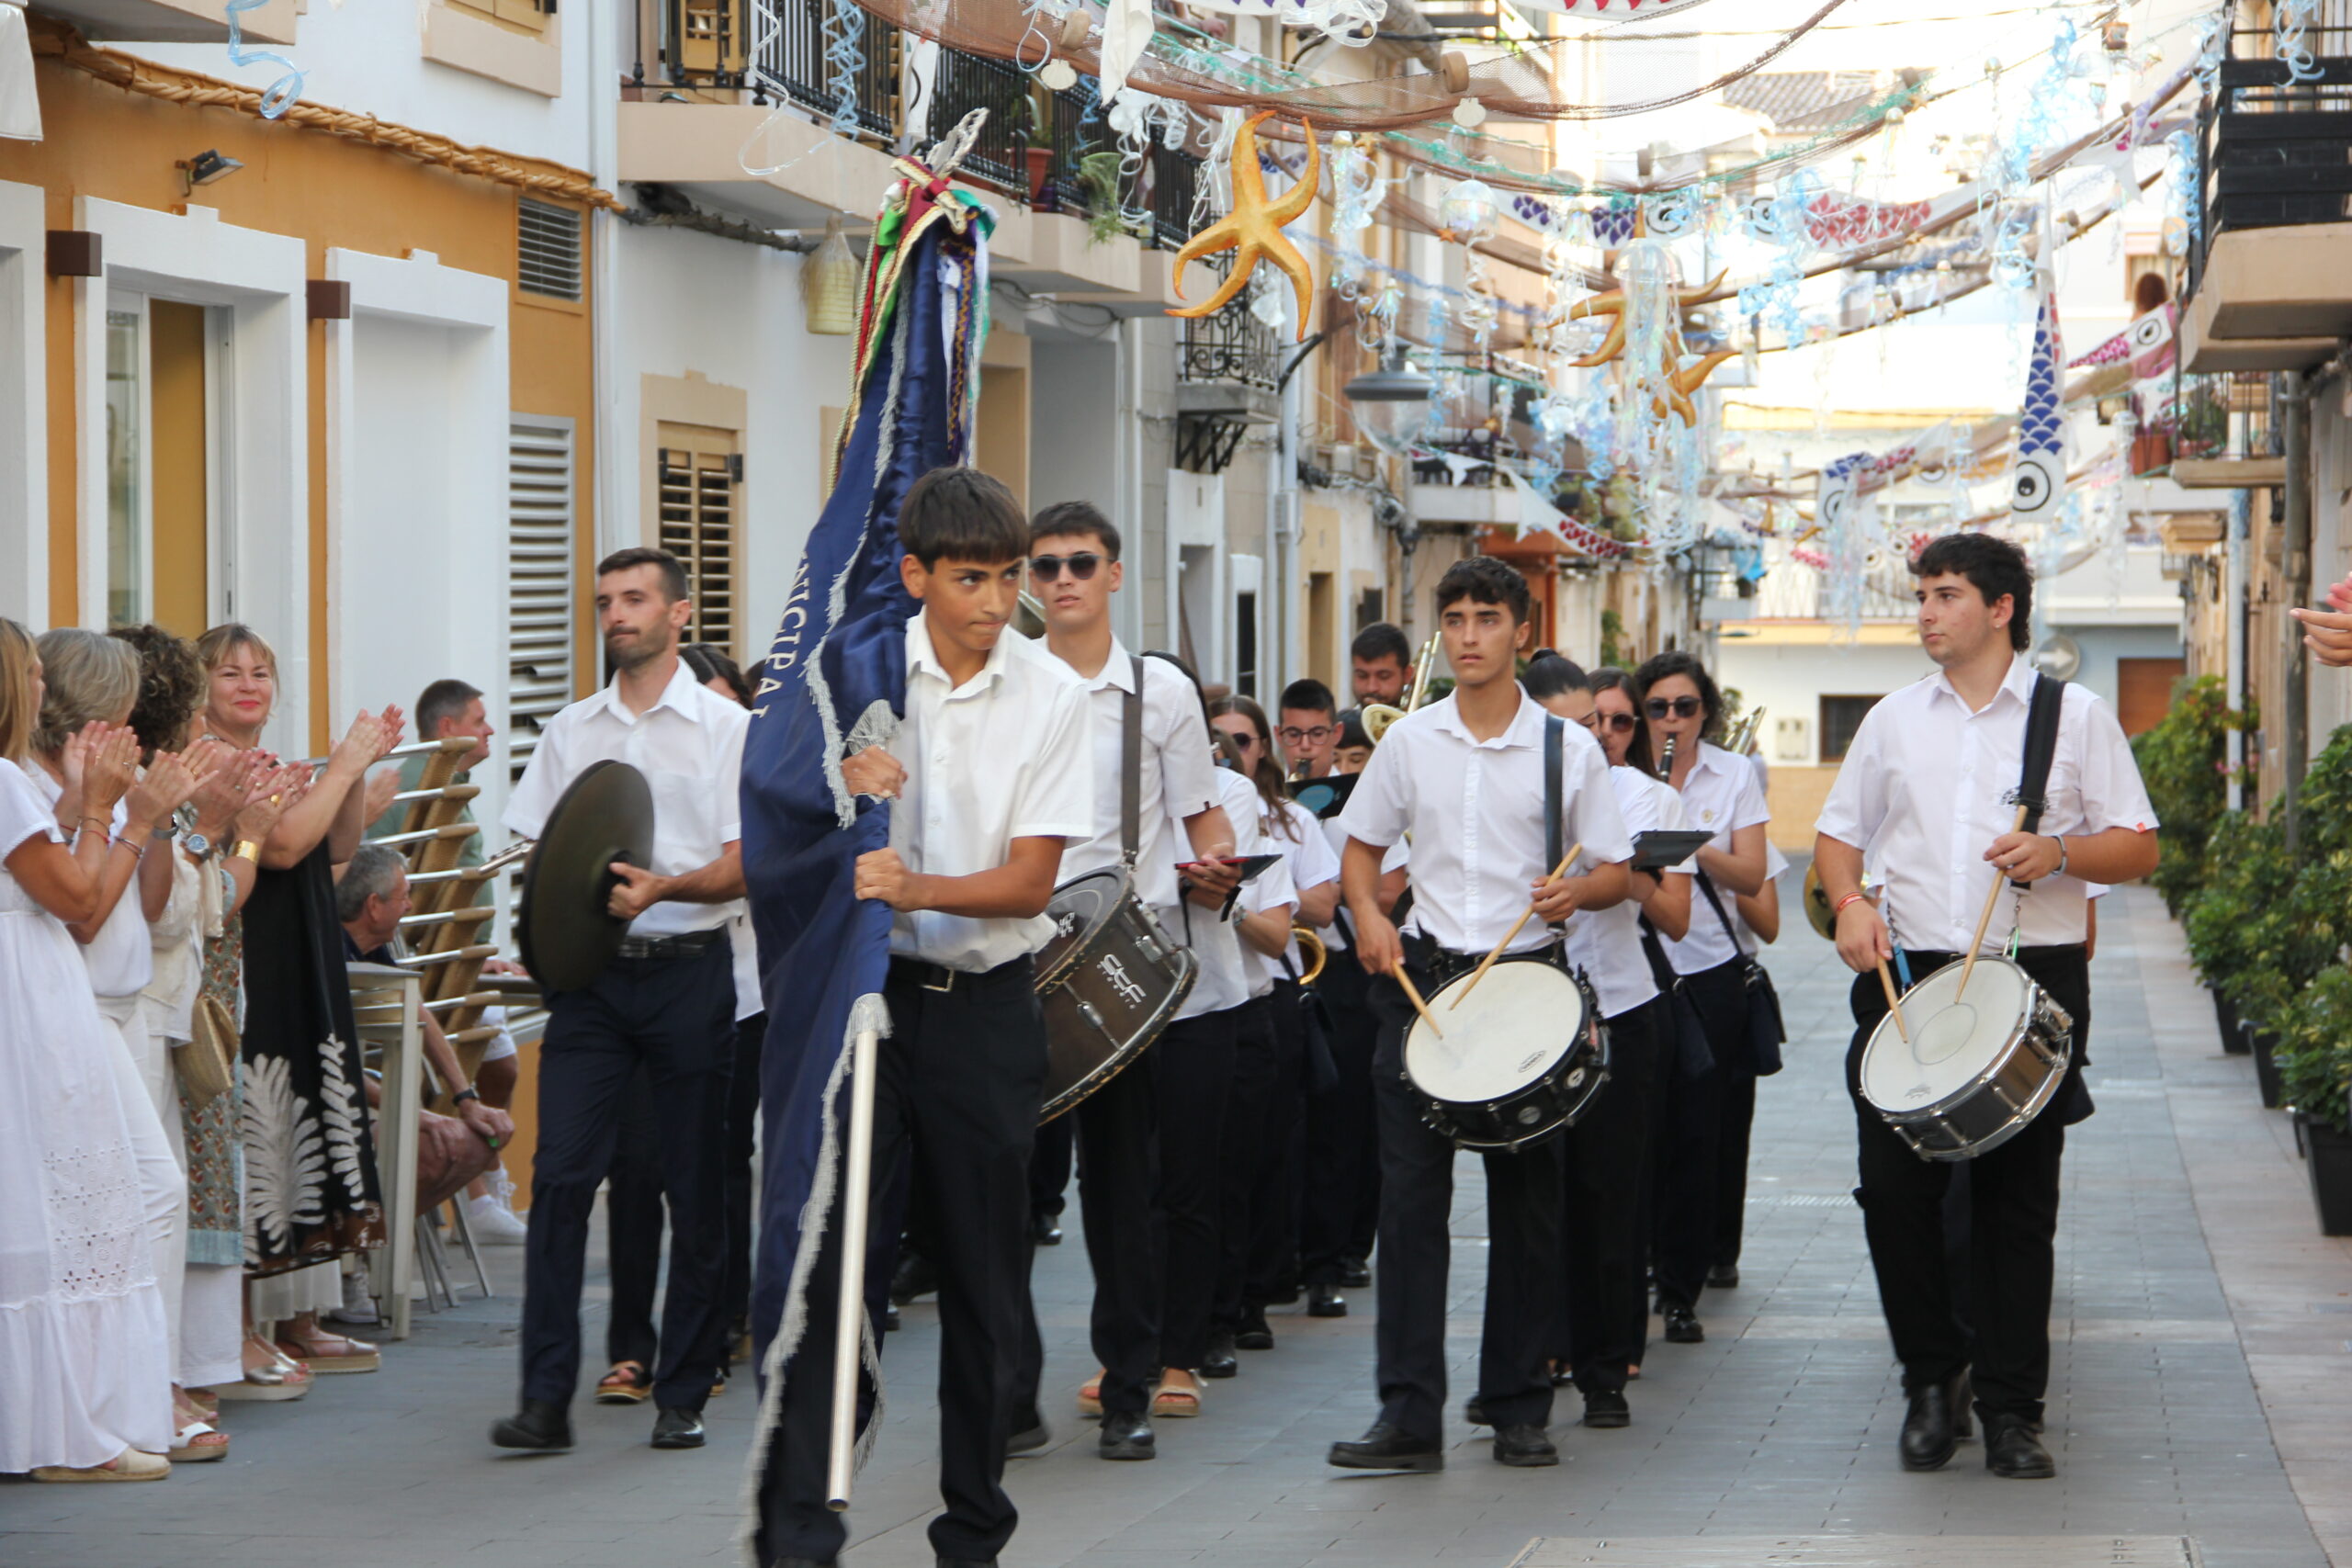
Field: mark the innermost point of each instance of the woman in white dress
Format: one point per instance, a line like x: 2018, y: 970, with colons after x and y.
x: 84, y: 1349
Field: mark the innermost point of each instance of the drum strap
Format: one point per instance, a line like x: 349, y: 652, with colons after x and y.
x: 1554, y: 732
x: 1131, y: 764
x: 2040, y: 750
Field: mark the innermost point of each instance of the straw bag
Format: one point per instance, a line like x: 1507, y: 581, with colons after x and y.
x: 208, y: 1062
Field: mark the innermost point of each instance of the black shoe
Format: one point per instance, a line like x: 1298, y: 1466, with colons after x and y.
x: 807, y: 1563
x: 890, y: 1317
x: 542, y: 1424
x: 678, y: 1429
x: 1928, y: 1433
x: 1030, y: 1433
x: 1325, y: 1300
x: 1127, y: 1435
x: 1287, y: 1292
x: 916, y: 1276
x: 1045, y: 1230
x: 1220, y: 1362
x: 1474, y: 1411
x: 2013, y: 1452
x: 1355, y: 1273
x: 1723, y: 1276
x: 1524, y: 1448
x: 1606, y: 1407
x: 1253, y: 1334
x: 966, y: 1563
x: 1681, y: 1325
x: 1387, y: 1447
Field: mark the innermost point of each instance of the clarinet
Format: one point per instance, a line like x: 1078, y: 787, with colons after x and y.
x: 1666, y: 761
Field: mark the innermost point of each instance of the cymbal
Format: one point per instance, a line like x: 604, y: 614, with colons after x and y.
x: 566, y: 934
x: 1818, y: 912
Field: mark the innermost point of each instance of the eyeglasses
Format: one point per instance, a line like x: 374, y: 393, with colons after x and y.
x: 1315, y: 737
x: 1045, y: 569
x: 1681, y: 707
x: 1622, y: 723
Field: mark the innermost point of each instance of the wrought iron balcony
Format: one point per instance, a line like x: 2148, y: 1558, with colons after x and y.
x: 962, y: 83
x: 2272, y: 151
x: 2223, y: 433
x: 790, y: 39
x: 1232, y: 346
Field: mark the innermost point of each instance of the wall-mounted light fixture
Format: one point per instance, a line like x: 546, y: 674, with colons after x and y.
x: 207, y: 166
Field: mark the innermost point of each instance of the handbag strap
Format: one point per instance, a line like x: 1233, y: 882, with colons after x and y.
x: 1717, y: 906
x: 1131, y: 764
x: 2041, y: 716
x: 1554, y: 732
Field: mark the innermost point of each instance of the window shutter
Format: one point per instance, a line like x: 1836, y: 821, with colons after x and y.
x: 548, y: 249
x: 699, y: 474
x: 539, y: 578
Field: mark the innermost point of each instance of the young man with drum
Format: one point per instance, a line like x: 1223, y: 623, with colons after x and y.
x: 1467, y: 778
x: 1928, y: 792
x: 1074, y: 569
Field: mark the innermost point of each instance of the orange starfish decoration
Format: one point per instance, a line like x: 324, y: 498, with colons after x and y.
x: 1679, y: 382
x: 1253, y: 230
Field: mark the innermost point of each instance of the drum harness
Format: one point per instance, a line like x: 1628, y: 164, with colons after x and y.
x: 2032, y: 793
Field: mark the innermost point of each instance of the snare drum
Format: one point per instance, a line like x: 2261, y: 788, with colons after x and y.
x: 1976, y: 1072
x: 1109, y: 979
x: 1524, y: 1057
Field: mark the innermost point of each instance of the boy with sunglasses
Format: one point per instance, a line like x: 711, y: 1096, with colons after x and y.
x: 1074, y: 568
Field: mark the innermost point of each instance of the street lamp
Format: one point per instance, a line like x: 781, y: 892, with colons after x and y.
x: 1389, y: 403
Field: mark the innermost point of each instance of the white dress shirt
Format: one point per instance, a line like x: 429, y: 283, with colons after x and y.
x: 1475, y: 811
x: 1335, y: 839
x: 1775, y: 862
x: 1227, y: 977
x: 1719, y: 793
x: 1003, y: 756
x: 689, y: 746
x: 1923, y: 794
x: 1176, y: 765
x: 121, y: 957
x: 1306, y: 854
x: 1607, y: 944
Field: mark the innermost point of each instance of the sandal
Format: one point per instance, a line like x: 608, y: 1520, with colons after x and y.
x: 276, y: 1377
x: 1175, y: 1402
x: 129, y: 1465
x: 325, y: 1352
x: 628, y: 1383
x: 1090, y: 1395
x: 197, y: 1442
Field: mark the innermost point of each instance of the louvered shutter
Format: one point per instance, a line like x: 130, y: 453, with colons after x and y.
x: 548, y: 247
x: 699, y: 473
x: 539, y: 578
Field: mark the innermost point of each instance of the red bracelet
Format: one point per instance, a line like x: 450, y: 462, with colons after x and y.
x: 1839, y: 907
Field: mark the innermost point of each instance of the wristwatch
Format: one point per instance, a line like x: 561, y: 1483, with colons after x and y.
x: 198, y: 844
x: 463, y: 1095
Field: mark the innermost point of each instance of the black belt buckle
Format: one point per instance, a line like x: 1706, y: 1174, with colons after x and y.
x: 941, y: 979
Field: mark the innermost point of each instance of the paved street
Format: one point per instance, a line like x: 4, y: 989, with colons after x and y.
x: 2196, y: 1398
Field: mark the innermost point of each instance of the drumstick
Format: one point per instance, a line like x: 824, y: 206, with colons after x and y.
x: 1510, y: 936
x: 1986, y: 918
x: 1413, y: 993
x: 1893, y: 1005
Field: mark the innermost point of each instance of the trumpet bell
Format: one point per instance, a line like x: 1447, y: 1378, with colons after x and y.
x: 1311, y: 950
x: 1377, y: 717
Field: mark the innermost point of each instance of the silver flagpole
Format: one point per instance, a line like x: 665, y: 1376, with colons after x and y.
x: 849, y: 1323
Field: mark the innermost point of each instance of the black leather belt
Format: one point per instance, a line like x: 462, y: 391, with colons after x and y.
x: 684, y: 945
x: 1441, y: 964
x: 938, y: 978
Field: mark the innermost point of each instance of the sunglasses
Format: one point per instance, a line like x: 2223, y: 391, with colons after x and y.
x: 1681, y: 707
x: 1045, y: 569
x: 1622, y: 723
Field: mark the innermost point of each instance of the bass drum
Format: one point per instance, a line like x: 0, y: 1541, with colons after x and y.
x: 1974, y: 1073
x: 1109, y: 979
x: 1522, y: 1056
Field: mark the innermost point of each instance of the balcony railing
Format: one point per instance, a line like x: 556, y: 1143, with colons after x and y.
x: 2226, y: 418
x: 1171, y: 183
x: 2272, y: 151
x: 962, y: 83
x: 1231, y: 345
x: 791, y: 38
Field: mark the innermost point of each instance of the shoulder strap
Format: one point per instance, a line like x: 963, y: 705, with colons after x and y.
x: 1131, y: 764
x: 1717, y: 906
x: 2040, y: 750
x: 1554, y: 731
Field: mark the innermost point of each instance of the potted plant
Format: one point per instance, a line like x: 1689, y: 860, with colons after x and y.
x: 2182, y: 758
x: 2315, y: 1064
x: 1037, y: 149
x: 2259, y: 930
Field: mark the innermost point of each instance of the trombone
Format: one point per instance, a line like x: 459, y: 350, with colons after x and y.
x: 1378, y: 716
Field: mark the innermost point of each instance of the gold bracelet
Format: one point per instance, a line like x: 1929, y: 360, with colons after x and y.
x: 248, y: 848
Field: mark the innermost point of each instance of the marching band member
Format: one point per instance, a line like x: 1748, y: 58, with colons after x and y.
x: 1074, y: 568
x: 1310, y: 727
x: 989, y: 778
x: 1380, y: 665
x: 1702, y: 1152
x: 1465, y: 778
x: 1921, y: 794
x: 1605, y: 1307
x: 666, y: 1003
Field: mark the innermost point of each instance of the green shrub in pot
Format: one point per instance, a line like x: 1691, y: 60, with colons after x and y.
x: 2182, y: 759
x: 2315, y: 1049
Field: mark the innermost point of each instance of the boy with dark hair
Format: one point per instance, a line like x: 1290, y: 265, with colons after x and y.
x: 1995, y: 568
x: 1465, y: 777
x: 1310, y: 723
x: 990, y: 775
x: 1383, y: 664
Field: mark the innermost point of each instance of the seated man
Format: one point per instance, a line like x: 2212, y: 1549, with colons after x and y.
x: 370, y: 899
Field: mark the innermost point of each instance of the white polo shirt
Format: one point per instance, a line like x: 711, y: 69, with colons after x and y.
x: 1720, y: 794
x: 1775, y: 862
x: 1306, y: 855
x: 689, y: 746
x: 1227, y: 977
x: 1922, y: 794
x: 1176, y: 765
x: 1003, y: 756
x: 1475, y: 811
x: 1607, y: 944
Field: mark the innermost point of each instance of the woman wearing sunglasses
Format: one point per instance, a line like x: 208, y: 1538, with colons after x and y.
x: 1703, y: 1133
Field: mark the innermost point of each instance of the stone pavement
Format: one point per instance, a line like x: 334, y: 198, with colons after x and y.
x: 2201, y: 1336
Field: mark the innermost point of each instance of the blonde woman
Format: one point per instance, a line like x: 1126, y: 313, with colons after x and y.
x: 85, y: 1345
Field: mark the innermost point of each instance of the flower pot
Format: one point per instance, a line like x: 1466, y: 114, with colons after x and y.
x: 1040, y: 163
x: 2151, y: 451
x: 2331, y: 1170
x: 2225, y: 1013
x: 2265, y: 1068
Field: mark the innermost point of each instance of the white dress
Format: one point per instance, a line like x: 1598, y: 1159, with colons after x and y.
x: 84, y: 1347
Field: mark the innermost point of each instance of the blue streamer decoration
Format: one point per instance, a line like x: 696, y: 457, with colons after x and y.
x: 279, y: 96
x: 844, y: 58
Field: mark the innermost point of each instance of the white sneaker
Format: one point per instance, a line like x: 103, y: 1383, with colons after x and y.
x: 493, y: 1222
x: 358, y: 1307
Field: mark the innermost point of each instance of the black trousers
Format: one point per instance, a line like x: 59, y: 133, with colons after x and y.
x: 1049, y: 1166
x: 1523, y: 1193
x: 743, y: 1145
x: 962, y: 1075
x: 1115, y: 1130
x: 1604, y: 1309
x: 1251, y: 1163
x: 633, y: 1227
x: 2012, y: 1224
x: 1342, y: 1205
x: 1277, y: 1193
x: 674, y: 1019
x: 1192, y: 1067
x: 1691, y: 1178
